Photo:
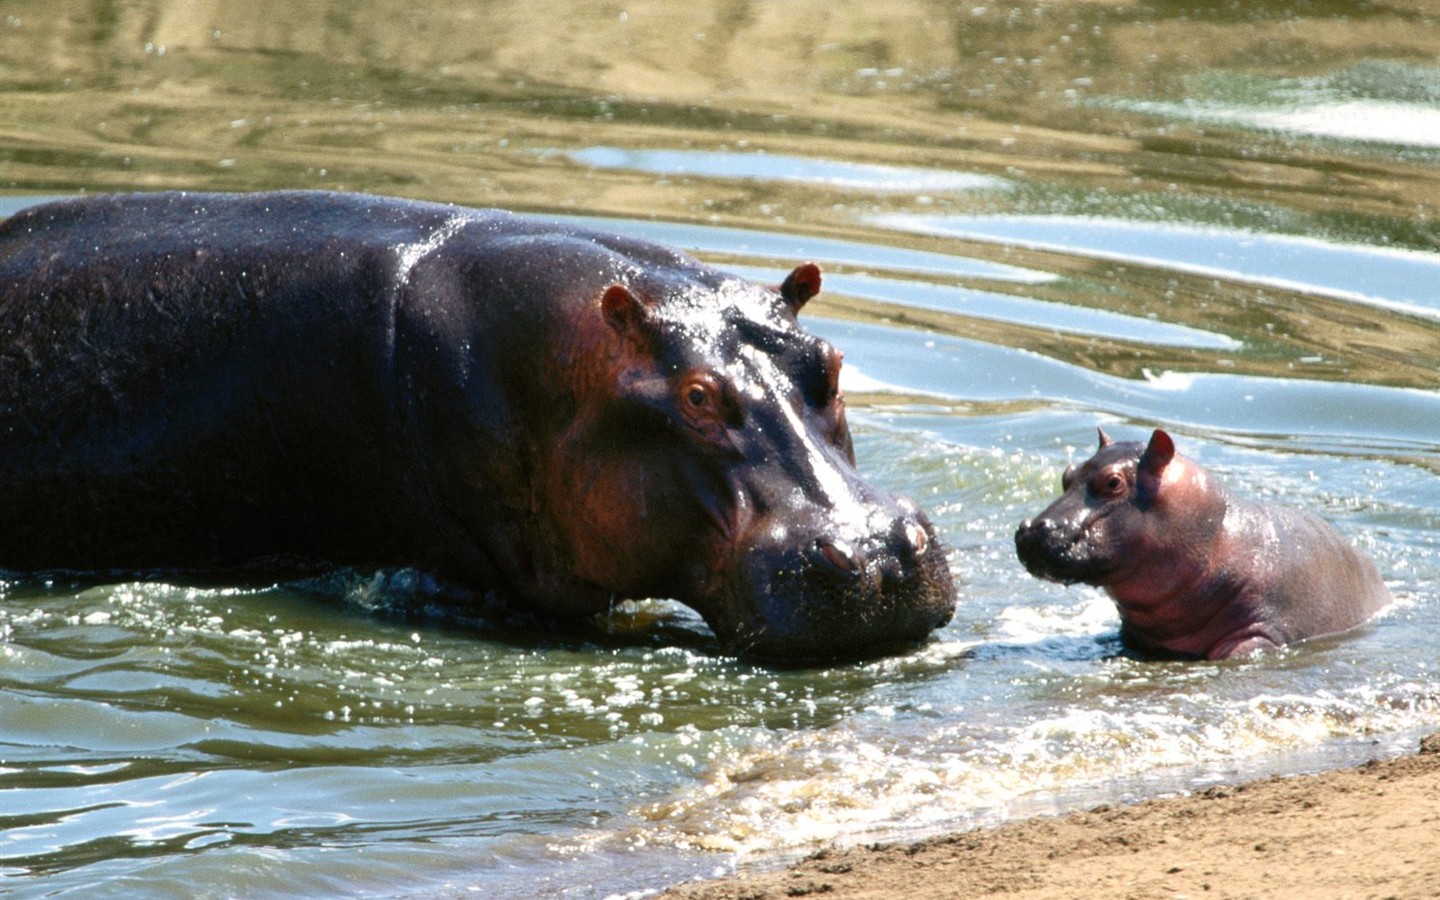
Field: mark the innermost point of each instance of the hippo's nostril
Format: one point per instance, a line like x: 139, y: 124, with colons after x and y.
x: 839, y: 555
x: 919, y: 540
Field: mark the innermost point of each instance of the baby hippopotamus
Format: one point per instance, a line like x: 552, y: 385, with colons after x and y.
x: 1194, y: 570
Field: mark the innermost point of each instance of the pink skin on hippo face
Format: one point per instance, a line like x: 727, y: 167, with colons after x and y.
x: 1194, y: 570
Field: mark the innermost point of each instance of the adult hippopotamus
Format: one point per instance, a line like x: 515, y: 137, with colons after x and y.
x: 1194, y: 570
x: 257, y: 386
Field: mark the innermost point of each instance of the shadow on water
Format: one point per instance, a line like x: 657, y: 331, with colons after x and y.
x: 1033, y: 218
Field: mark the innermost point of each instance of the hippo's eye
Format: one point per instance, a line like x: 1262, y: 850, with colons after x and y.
x: 818, y: 376
x: 834, y: 360
x: 698, y: 394
x: 709, y: 406
x: 1109, y: 484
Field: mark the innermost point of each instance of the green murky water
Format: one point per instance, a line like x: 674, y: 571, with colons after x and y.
x: 1034, y: 218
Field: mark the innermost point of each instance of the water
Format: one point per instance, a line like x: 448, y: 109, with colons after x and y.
x: 1032, y: 221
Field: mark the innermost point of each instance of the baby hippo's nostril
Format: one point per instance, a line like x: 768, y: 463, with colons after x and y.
x: 839, y: 555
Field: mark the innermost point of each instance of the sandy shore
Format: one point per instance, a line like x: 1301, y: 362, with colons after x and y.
x: 1371, y: 831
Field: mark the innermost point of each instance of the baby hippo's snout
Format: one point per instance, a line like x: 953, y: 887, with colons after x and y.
x: 1051, y: 550
x: 1026, y: 538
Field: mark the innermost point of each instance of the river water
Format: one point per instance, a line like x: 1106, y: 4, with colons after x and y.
x: 1034, y: 219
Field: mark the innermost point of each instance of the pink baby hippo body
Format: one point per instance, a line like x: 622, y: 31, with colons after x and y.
x: 1194, y: 570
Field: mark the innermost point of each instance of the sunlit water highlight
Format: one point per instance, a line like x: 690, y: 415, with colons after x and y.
x: 1401, y: 280
x: 760, y: 166
x: 1372, y: 121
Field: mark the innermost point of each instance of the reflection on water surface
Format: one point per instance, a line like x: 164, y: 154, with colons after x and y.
x: 1402, y: 280
x: 769, y: 167
x: 1033, y: 218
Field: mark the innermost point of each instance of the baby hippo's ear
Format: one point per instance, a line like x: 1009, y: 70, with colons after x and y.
x: 800, y: 285
x: 1157, y: 455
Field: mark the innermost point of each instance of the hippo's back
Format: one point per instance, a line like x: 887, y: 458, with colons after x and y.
x: 1321, y: 583
x: 77, y: 233
x: 93, y: 284
x: 196, y: 381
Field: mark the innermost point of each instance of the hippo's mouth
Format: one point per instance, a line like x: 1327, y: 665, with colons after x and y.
x: 817, y: 604
x: 1056, y: 554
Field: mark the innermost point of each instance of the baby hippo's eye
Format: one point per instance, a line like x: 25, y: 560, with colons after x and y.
x: 1109, y: 484
x: 697, y: 396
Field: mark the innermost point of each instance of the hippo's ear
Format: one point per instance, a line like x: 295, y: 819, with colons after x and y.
x: 1158, y: 453
x: 623, y: 311
x: 1105, y: 440
x: 800, y: 285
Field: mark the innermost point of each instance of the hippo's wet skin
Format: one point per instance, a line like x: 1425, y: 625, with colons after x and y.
x: 1194, y: 570
x: 255, y: 385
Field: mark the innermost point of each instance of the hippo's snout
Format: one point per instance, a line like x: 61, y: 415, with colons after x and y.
x: 906, y: 544
x: 836, y: 597
x: 1050, y: 550
x: 839, y: 556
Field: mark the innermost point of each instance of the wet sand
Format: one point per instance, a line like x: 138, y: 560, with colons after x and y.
x: 1371, y: 831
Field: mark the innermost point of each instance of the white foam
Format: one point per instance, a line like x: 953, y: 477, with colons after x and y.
x: 853, y: 783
